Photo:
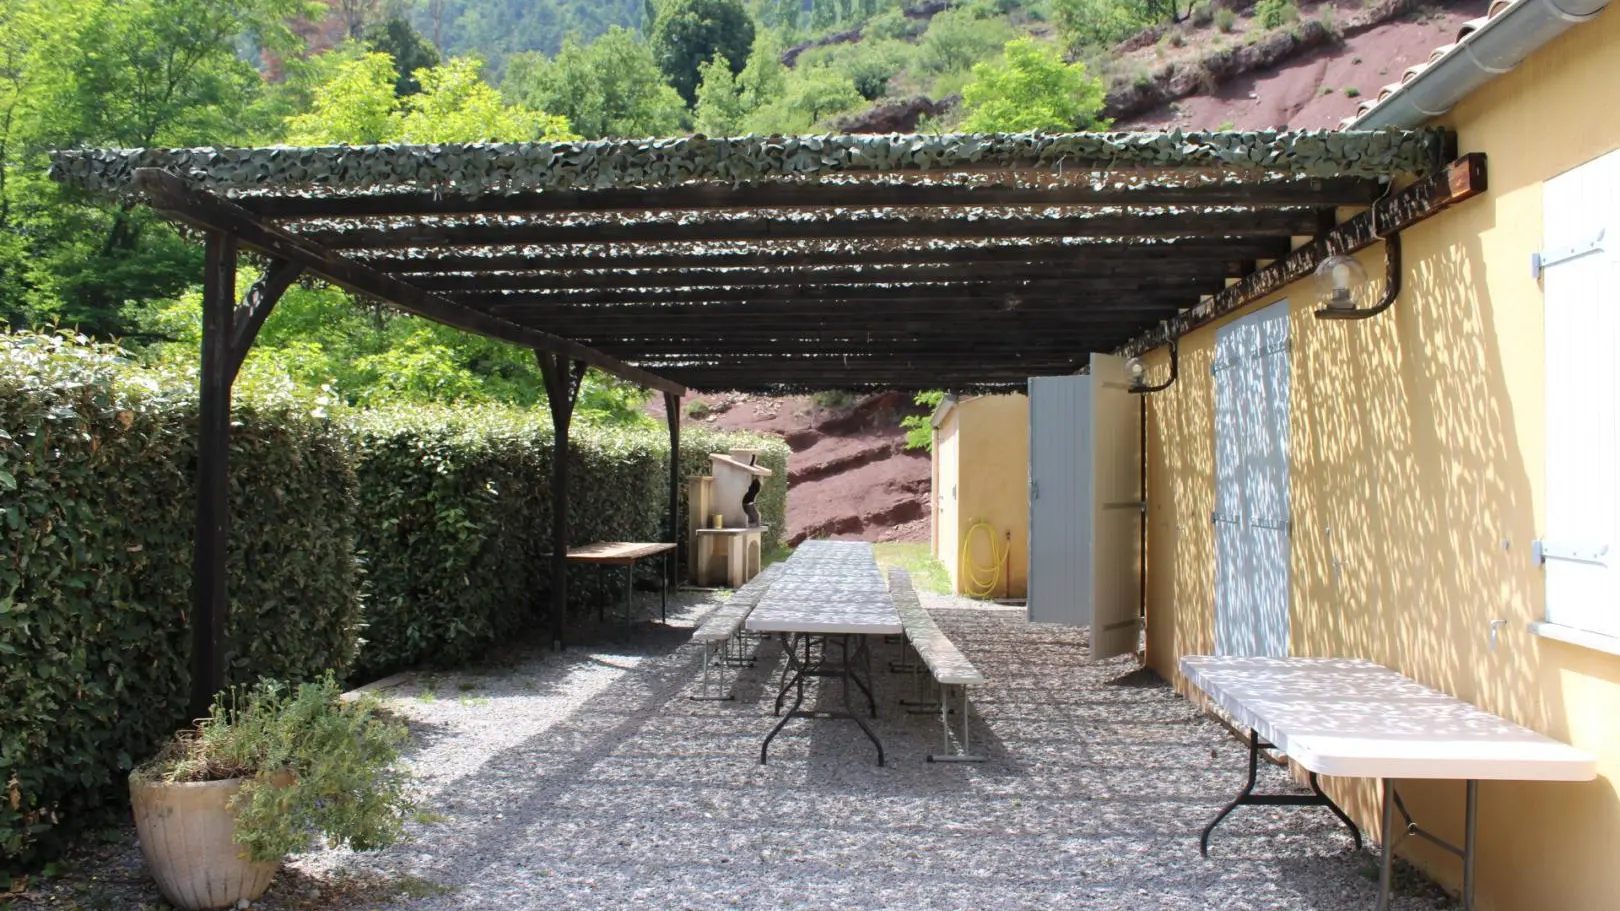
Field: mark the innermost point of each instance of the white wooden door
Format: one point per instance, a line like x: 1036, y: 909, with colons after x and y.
x: 1085, y: 505
x: 1252, y: 521
x: 1581, y: 280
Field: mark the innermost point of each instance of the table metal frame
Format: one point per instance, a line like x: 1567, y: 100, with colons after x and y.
x: 1247, y: 798
x: 798, y: 669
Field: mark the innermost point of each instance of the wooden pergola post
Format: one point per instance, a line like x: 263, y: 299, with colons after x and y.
x: 672, y: 414
x: 228, y: 330
x: 563, y: 377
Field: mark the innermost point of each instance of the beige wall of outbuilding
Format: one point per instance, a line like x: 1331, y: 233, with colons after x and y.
x: 982, y: 475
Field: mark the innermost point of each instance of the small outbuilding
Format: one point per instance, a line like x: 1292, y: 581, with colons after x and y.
x: 981, y: 493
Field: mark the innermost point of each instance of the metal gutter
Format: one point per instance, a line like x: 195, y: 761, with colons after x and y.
x: 1497, y: 46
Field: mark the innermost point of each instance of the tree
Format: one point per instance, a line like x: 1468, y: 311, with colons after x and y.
x: 1093, y: 22
x: 730, y: 105
x: 688, y: 33
x: 1031, y: 89
x: 130, y: 73
x: 457, y: 106
x: 720, y: 108
x: 610, y: 88
x: 956, y: 39
x: 409, y: 50
x: 357, y: 105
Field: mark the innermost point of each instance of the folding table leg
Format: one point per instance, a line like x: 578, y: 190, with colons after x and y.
x: 1386, y: 856
x: 1247, y: 797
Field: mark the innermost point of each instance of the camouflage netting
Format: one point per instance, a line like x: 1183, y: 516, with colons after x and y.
x: 482, y: 168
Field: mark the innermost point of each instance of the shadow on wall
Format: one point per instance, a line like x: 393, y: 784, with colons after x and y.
x: 1413, y: 514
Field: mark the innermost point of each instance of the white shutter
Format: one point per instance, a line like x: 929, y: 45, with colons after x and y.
x: 1581, y: 279
x: 1252, y: 517
x: 1085, y: 505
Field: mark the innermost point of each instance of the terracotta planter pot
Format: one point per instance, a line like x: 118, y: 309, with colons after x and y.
x: 186, y: 834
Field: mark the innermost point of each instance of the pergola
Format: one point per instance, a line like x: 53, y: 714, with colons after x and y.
x: 770, y: 264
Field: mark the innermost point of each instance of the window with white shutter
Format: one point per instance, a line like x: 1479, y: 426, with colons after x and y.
x: 1580, y: 268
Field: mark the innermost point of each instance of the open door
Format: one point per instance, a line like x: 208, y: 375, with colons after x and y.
x: 1085, y: 505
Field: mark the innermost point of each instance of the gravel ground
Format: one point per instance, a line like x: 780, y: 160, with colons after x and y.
x: 591, y: 781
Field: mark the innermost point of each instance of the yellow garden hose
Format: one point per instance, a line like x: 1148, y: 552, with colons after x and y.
x: 974, y: 584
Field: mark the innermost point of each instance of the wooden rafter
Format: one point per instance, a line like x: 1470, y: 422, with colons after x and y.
x: 812, y: 195
x: 1202, y: 223
x: 173, y: 196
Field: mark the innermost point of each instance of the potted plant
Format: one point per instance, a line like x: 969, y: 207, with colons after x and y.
x: 266, y: 773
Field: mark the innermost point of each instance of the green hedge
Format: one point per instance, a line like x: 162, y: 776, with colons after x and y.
x: 456, y: 525
x: 96, y: 517
x: 443, y: 513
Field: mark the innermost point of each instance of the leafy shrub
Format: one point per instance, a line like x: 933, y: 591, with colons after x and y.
x: 97, y: 459
x: 835, y: 398
x: 919, y: 428
x: 1202, y: 15
x: 341, y: 756
x: 1093, y: 22
x: 1275, y: 13
x: 1225, y: 20
x: 1351, y: 91
x: 868, y: 64
x: 1030, y: 89
x: 699, y: 408
x: 956, y: 40
x: 891, y: 25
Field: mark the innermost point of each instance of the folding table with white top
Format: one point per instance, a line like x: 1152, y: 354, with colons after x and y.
x: 1352, y: 718
x: 827, y: 596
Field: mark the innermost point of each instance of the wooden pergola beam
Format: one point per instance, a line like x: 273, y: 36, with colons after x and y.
x: 1207, y: 224
x: 1224, y: 250
x: 1009, y: 293
x: 1079, y: 273
x: 173, y: 196
x: 807, y: 195
x: 1461, y: 180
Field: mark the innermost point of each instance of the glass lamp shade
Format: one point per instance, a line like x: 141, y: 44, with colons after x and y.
x: 1137, y: 370
x: 1340, y: 282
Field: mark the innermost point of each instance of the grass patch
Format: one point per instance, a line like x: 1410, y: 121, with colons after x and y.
x: 429, y: 818
x: 927, y: 573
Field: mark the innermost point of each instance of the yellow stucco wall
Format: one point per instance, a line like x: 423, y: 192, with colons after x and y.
x: 982, y: 450
x: 947, y: 525
x: 1417, y: 479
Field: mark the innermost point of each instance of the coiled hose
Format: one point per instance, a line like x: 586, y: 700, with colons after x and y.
x: 974, y: 583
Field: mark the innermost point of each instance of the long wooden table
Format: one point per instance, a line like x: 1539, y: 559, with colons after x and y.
x: 1352, y: 718
x: 627, y: 554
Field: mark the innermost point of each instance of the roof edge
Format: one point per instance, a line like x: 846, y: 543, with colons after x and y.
x: 1495, y: 47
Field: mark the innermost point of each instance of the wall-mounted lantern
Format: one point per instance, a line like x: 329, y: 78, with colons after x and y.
x: 1341, y: 282
x: 1138, y: 372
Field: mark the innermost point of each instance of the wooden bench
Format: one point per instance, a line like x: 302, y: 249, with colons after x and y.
x: 724, y: 627
x: 946, y: 665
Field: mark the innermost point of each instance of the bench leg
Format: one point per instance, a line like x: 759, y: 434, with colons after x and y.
x: 712, y: 652
x: 964, y: 753
x: 1247, y: 797
x: 921, y: 705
